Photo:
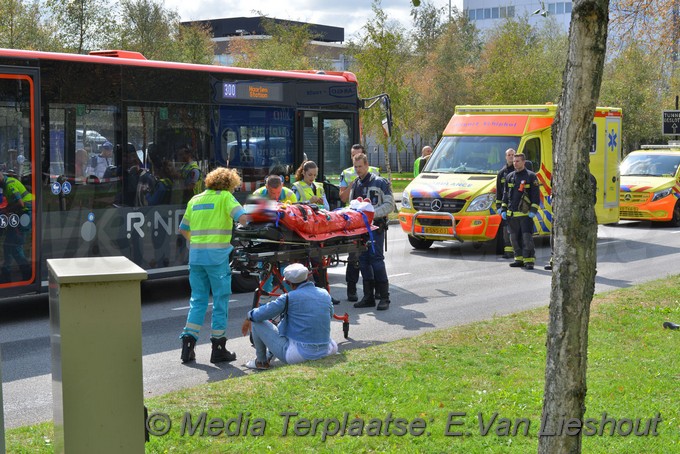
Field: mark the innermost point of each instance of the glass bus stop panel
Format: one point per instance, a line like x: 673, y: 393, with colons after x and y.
x: 17, y: 216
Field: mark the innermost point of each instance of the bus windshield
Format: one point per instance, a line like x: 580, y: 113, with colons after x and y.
x: 470, y: 154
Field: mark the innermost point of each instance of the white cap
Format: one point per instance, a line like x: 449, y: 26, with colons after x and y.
x: 296, y: 273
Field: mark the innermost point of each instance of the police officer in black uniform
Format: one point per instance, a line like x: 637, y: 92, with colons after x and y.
x: 521, y: 200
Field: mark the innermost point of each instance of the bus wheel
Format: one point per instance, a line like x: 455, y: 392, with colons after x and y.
x: 419, y: 244
x: 675, y: 220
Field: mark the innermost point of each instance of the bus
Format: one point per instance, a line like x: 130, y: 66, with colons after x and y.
x: 105, y: 145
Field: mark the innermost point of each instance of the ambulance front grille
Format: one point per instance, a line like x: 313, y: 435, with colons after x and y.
x: 447, y: 205
x: 633, y: 197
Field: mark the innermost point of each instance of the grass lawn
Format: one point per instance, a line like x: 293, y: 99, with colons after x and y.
x: 469, y: 389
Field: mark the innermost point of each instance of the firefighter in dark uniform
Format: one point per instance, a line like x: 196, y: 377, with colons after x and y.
x: 500, y: 188
x: 520, y: 204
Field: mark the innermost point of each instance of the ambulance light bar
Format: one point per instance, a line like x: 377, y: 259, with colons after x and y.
x: 506, y: 110
x: 670, y: 146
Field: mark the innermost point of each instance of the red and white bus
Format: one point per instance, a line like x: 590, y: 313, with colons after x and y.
x: 60, y: 115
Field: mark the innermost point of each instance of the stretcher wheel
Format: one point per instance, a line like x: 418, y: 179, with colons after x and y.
x: 345, y: 329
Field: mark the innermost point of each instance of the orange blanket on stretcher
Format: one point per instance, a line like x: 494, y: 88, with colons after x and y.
x: 317, y: 224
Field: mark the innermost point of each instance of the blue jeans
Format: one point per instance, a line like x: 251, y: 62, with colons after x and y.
x: 266, y: 336
x: 203, y: 279
x: 372, y: 261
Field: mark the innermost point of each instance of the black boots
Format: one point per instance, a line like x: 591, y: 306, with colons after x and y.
x: 352, y: 292
x: 220, y: 352
x: 373, y: 290
x: 382, y: 290
x: 188, y: 353
x: 369, y: 299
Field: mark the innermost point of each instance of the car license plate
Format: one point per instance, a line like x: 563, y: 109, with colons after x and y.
x: 437, y: 230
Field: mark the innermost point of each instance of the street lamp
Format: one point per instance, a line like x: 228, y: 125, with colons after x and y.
x: 541, y: 11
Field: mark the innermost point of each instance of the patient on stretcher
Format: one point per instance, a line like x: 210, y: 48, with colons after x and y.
x: 307, y: 221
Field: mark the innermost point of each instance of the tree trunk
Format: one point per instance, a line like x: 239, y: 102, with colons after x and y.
x: 388, y: 167
x: 573, y: 281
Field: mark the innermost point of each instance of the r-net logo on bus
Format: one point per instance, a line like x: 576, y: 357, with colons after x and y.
x: 153, y: 222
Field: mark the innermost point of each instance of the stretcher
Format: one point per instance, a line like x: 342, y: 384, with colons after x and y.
x: 298, y: 233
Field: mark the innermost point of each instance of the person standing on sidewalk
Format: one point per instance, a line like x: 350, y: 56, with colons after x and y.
x: 347, y: 177
x: 521, y: 200
x: 207, y: 226
x: 378, y: 191
x: 500, y: 188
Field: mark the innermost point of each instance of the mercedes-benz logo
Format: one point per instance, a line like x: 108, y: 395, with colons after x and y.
x: 436, y: 205
x: 627, y: 197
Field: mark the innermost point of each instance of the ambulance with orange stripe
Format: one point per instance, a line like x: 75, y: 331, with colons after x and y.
x: 454, y: 196
x: 650, y: 184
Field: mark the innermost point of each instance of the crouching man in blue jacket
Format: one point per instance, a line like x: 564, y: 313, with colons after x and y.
x: 305, y: 327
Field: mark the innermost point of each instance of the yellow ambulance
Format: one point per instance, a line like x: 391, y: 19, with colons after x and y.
x: 650, y: 184
x: 454, y: 196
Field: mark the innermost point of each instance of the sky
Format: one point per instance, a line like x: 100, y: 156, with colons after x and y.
x: 349, y: 14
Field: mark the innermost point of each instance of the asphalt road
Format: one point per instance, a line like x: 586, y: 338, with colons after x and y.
x: 450, y: 284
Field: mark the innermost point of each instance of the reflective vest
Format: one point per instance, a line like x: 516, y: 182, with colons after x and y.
x: 304, y: 191
x: 187, y: 171
x: 14, y: 191
x: 349, y: 174
x: 210, y: 219
x: 286, y: 194
x: 417, y: 166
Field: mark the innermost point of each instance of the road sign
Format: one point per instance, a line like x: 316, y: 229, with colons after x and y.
x: 671, y: 122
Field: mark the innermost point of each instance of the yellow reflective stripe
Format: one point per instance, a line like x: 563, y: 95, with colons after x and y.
x: 210, y: 245
x: 210, y: 232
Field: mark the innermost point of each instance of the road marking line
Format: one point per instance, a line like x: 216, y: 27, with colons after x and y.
x: 189, y: 307
x: 397, y: 275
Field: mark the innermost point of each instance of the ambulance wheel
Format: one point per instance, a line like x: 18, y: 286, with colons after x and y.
x: 675, y: 220
x: 419, y: 244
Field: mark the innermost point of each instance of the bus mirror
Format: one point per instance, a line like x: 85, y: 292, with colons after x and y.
x: 387, y: 121
x: 384, y: 98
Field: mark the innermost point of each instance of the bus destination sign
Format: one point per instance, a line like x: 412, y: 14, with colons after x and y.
x: 252, y: 91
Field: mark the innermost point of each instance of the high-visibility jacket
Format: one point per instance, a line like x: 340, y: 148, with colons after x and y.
x: 191, y: 174
x: 304, y: 192
x: 287, y: 195
x: 14, y: 191
x: 349, y: 174
x: 210, y: 219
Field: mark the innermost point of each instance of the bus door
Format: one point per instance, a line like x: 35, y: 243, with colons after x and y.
x: 19, y: 165
x: 327, y: 140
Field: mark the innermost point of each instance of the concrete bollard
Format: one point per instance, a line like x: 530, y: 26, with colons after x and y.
x: 96, y: 338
